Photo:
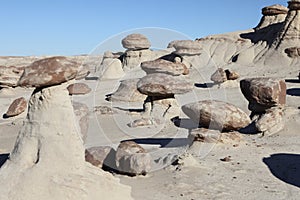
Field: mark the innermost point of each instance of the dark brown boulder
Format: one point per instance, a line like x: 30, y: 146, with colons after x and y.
x: 78, y: 88
x: 16, y: 107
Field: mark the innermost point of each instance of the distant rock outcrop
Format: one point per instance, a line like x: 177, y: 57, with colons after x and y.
x: 9, y: 76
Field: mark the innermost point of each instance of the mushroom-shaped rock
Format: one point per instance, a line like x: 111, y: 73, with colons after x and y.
x: 263, y: 93
x: 136, y: 41
x: 78, y: 88
x: 163, y: 85
x: 294, y: 5
x: 164, y: 66
x: 216, y: 114
x: 219, y: 76
x: 9, y: 76
x: 276, y: 9
x: 100, y: 156
x: 187, y: 47
x: 16, y: 107
x: 48, y: 72
x: 128, y: 92
x: 132, y: 159
x: 48, y: 158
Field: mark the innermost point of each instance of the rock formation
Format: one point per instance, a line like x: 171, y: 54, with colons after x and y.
x: 164, y: 66
x: 9, y: 76
x: 16, y: 107
x: 78, y: 88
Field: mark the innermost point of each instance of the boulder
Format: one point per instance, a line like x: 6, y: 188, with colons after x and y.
x: 48, y: 72
x: 128, y: 92
x: 163, y: 85
x: 78, y: 88
x: 231, y: 75
x: 48, y: 162
x: 136, y: 42
x: 274, y: 10
x: 82, y: 118
x: 219, y: 76
x: 100, y: 156
x: 132, y: 159
x: 294, y: 5
x: 187, y: 47
x: 9, y: 76
x: 214, y: 114
x: 271, y: 122
x: 214, y: 136
x: 143, y: 122
x: 16, y: 107
x: 164, y: 66
x: 263, y: 93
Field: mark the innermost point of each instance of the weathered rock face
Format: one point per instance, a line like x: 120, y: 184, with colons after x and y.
x: 263, y: 93
x: 100, y: 156
x: 164, y: 66
x: 133, y: 58
x: 78, y: 88
x: 136, y: 42
x: 218, y: 115
x: 113, y: 69
x: 219, y: 76
x: 274, y: 10
x: 48, y: 72
x: 294, y: 5
x: 271, y: 122
x: 82, y: 117
x: 128, y: 92
x: 132, y: 159
x: 163, y: 85
x: 186, y: 47
x: 16, y: 107
x: 49, y: 138
x: 9, y: 76
x: 293, y: 52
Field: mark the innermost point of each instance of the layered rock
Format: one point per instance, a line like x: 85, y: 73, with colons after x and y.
x: 186, y: 47
x: 48, y: 71
x: 263, y: 93
x: 218, y: 115
x: 78, y: 88
x: 128, y: 92
x: 49, y: 136
x: 164, y: 66
x: 17, y: 107
x: 9, y: 76
x: 163, y: 85
x: 132, y: 159
x: 136, y: 42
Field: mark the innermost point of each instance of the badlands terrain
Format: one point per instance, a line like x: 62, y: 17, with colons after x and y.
x: 211, y: 118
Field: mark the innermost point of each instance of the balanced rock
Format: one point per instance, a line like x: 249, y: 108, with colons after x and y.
x: 263, y: 93
x: 132, y: 159
x: 216, y: 114
x: 9, y: 76
x: 100, y: 156
x: 48, y: 72
x: 271, y: 122
x: 274, y: 10
x: 219, y: 76
x: 136, y: 41
x: 17, y: 107
x: 128, y: 92
x: 163, y: 85
x: 164, y: 66
x: 187, y: 47
x: 78, y: 88
x: 82, y: 118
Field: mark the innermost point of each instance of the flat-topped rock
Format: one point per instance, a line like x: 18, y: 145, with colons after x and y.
x: 187, y: 47
x: 48, y: 72
x: 214, y: 114
x: 263, y: 93
x: 274, y: 10
x: 164, y: 66
x: 294, y: 5
x: 78, y: 88
x: 163, y: 85
x: 136, y: 41
x: 16, y: 107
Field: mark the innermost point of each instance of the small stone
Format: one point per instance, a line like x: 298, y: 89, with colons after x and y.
x: 132, y: 159
x: 104, y: 110
x: 231, y: 75
x: 226, y: 159
x: 143, y: 122
x: 219, y: 76
x: 78, y: 88
x: 17, y: 107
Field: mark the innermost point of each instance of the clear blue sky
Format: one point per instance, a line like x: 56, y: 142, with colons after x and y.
x: 65, y: 27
